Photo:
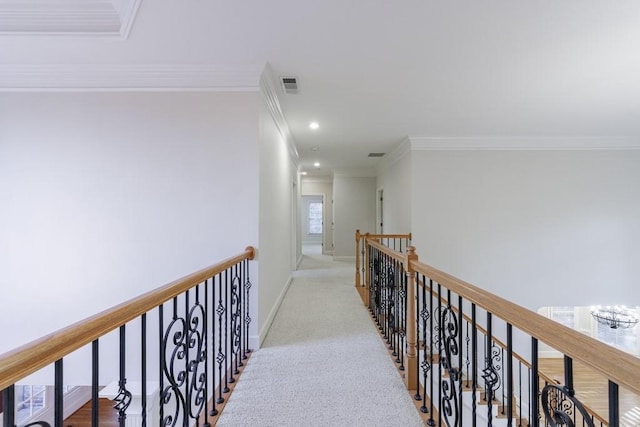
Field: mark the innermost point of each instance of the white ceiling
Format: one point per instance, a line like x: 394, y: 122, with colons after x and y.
x: 374, y: 72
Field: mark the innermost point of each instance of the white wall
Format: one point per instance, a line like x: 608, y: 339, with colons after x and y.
x: 279, y: 189
x: 325, y: 188
x: 533, y: 226
x: 107, y: 195
x: 395, y: 181
x: 354, y: 207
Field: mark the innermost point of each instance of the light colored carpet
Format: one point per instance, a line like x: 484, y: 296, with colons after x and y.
x: 323, y: 362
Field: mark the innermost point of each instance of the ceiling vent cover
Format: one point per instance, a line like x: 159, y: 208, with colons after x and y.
x: 289, y: 84
x: 376, y: 154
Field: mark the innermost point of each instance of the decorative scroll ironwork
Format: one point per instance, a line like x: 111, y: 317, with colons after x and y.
x: 196, y: 367
x: 247, y: 318
x: 490, y: 374
x: 184, y: 356
x: 449, y: 342
x: 123, y: 400
x: 561, y: 407
x: 236, y: 324
x: 174, y: 353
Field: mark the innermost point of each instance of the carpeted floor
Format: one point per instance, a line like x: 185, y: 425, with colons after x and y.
x: 323, y: 362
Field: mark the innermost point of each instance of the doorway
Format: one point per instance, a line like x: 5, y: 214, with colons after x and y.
x: 312, y: 224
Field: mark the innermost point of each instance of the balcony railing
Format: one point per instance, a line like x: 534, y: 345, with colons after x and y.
x: 169, y: 357
x: 469, y: 357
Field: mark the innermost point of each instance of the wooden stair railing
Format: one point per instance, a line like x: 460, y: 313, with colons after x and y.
x: 203, y: 344
x: 442, y: 306
x: 397, y: 242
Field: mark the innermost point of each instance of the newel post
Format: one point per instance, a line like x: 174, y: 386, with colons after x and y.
x: 412, y: 334
x: 358, y: 258
x: 367, y: 270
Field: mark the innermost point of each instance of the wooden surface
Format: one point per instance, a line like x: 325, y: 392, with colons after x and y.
x: 614, y: 364
x: 107, y: 415
x: 31, y: 357
x: 592, y: 390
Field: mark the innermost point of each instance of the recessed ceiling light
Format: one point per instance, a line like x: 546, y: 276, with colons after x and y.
x: 316, y: 164
x: 303, y: 173
x: 314, y: 125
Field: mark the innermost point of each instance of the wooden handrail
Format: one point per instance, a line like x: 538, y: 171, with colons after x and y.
x: 388, y: 236
x: 398, y: 256
x: 614, y: 364
x: 31, y: 357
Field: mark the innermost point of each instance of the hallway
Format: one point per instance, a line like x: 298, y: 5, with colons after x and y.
x: 323, y: 362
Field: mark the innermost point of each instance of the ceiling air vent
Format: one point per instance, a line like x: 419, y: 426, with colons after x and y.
x: 289, y: 84
x: 376, y: 154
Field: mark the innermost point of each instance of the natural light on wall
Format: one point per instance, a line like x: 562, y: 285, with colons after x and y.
x: 581, y: 319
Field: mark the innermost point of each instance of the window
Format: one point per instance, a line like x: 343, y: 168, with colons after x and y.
x: 30, y: 399
x: 315, y: 218
x: 563, y: 315
x: 624, y: 339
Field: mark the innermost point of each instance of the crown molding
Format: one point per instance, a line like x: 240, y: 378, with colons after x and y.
x: 403, y: 149
x: 269, y: 91
x: 104, y: 18
x: 150, y: 77
x: 523, y: 143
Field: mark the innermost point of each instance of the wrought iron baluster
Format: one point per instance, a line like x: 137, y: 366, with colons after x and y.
x: 226, y: 330
x: 425, y: 314
x: 489, y: 373
x: 197, y: 344
x: 502, y: 376
x: 459, y: 367
x: 9, y: 406
x: 431, y: 422
x: 449, y: 339
x: 174, y: 347
x: 161, y: 361
x: 509, y: 375
x: 534, y: 413
x: 187, y: 356
x: 214, y: 402
x: 143, y: 368
x: 247, y: 319
x: 123, y: 399
x: 614, y: 409
x: 95, y: 369
x: 220, y: 356
x: 474, y: 350
x: 58, y: 394
x: 206, y: 347
x: 439, y: 326
x: 402, y: 311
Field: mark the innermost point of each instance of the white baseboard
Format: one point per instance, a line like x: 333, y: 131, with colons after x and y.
x: 299, y: 261
x: 345, y: 258
x: 272, y: 314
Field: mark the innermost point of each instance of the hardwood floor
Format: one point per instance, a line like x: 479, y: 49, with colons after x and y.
x: 592, y: 390
x: 108, y: 416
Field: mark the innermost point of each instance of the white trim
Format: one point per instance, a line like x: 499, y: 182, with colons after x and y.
x: 361, y: 173
x: 524, y: 143
x: 269, y: 91
x: 129, y: 18
x: 149, y: 77
x: 398, y: 153
x: 67, y: 18
x: 317, y: 179
x: 272, y: 314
